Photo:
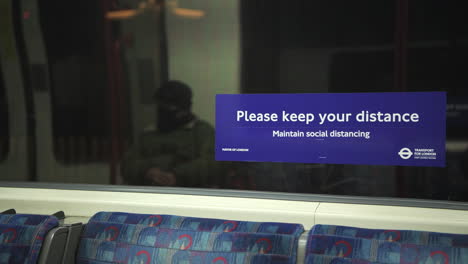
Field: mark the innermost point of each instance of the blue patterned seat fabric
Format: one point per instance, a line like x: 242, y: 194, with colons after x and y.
x: 137, y: 238
x: 21, y: 237
x: 327, y: 244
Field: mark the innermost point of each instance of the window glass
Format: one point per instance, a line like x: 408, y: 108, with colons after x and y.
x: 4, y: 125
x: 131, y: 86
x: 75, y: 49
x: 437, y: 60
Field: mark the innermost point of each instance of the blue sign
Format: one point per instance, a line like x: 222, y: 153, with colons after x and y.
x: 406, y: 129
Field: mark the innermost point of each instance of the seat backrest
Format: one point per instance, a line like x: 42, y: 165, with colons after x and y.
x: 343, y: 245
x: 139, y: 238
x: 22, y: 235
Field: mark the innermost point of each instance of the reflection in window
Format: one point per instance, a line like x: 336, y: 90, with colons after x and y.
x: 4, y: 125
x: 76, y: 56
x: 362, y: 71
x: 108, y: 58
x: 438, y: 61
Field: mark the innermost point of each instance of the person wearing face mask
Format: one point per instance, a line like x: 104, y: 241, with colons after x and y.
x: 180, y: 151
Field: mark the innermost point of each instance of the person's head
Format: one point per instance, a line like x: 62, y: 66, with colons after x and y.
x: 174, y: 105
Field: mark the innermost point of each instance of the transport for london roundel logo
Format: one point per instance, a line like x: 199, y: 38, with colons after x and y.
x: 8, y: 235
x: 405, y: 153
x: 146, y: 257
x: 220, y: 260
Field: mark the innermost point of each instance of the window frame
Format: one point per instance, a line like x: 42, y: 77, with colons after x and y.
x: 321, y: 198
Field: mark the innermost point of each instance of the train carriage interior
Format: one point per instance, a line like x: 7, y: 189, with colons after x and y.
x: 110, y: 120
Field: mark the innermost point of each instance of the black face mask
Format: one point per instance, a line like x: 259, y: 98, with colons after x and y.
x: 170, y: 119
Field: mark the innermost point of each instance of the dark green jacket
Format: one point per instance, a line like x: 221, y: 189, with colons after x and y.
x: 187, y: 152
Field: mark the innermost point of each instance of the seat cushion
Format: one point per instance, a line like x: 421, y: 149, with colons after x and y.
x: 117, y: 237
x: 339, y: 244
x: 21, y: 236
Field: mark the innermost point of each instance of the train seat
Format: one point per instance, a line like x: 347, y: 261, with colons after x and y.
x: 22, y: 236
x: 350, y: 245
x: 143, y: 238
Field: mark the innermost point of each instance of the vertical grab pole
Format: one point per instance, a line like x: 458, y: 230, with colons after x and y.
x: 112, y: 91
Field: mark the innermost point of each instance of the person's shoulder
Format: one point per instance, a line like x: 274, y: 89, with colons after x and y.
x: 202, y: 125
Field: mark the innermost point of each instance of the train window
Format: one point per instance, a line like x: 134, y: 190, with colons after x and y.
x: 4, y: 125
x: 74, y: 45
x: 131, y: 86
